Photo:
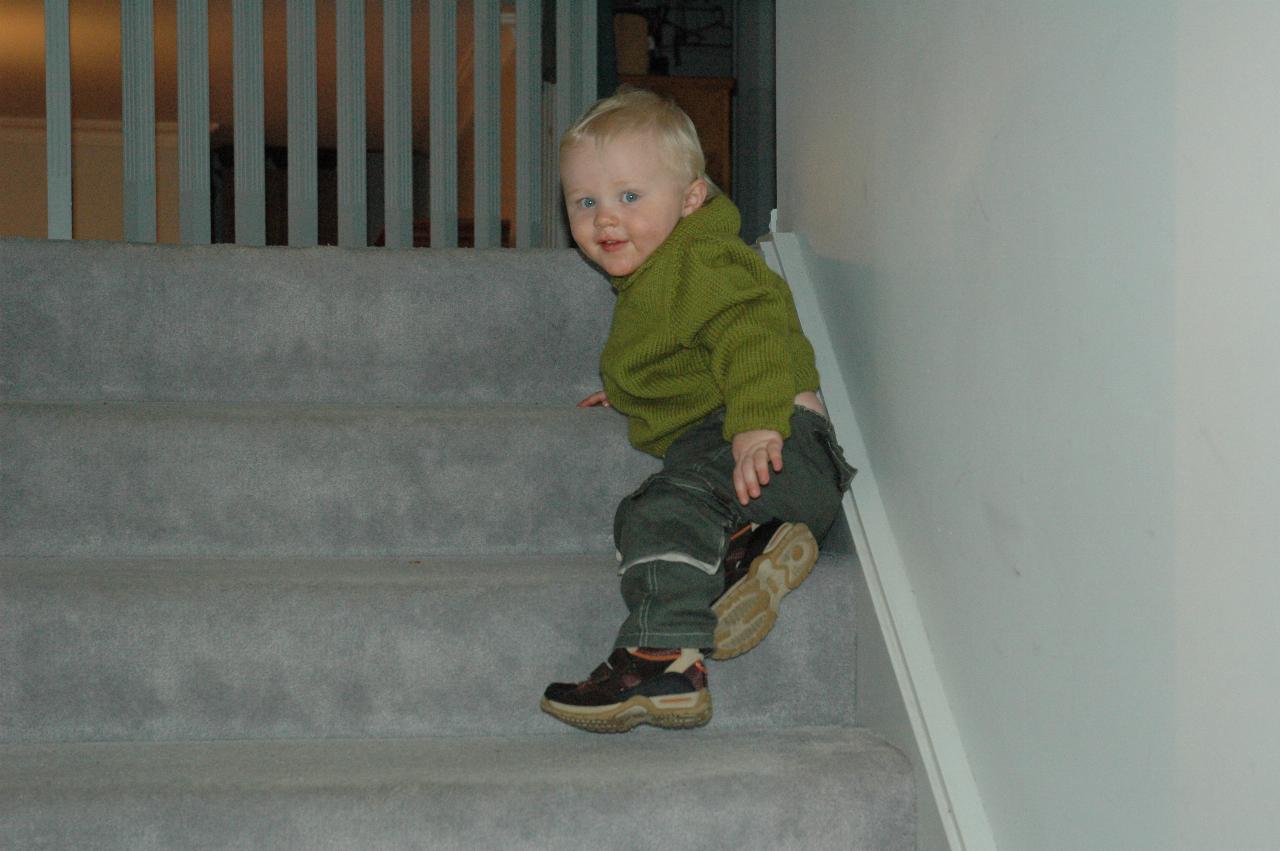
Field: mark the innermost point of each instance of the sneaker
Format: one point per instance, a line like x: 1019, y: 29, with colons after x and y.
x: 659, y: 687
x: 761, y: 567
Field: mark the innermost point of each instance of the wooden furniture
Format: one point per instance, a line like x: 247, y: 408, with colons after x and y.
x: 707, y: 101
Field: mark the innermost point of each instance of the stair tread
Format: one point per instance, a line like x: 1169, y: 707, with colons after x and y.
x: 310, y: 480
x: 248, y: 408
x: 81, y: 574
x: 149, y: 572
x: 101, y: 320
x: 424, y: 760
x: 167, y: 649
x: 809, y: 787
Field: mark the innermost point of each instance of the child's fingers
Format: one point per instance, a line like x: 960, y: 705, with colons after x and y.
x: 751, y: 471
x: 740, y: 486
x: 754, y: 462
x: 745, y: 479
x: 761, y: 468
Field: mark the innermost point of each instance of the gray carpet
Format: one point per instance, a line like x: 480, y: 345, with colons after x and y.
x: 291, y: 541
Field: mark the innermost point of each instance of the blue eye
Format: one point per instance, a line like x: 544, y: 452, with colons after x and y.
x: 586, y: 203
x: 630, y: 197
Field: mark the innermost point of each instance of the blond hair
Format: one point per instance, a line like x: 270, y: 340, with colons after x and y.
x: 634, y: 110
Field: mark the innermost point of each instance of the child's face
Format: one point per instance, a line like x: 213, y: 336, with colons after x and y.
x: 624, y: 200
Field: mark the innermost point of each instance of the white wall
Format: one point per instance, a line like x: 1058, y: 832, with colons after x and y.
x: 1050, y: 234
x: 1228, y: 424
x: 97, y: 180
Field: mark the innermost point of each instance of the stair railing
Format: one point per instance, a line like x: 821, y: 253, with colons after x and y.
x: 542, y: 111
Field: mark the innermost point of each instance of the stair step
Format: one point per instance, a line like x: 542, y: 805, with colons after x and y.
x: 801, y: 788
x: 162, y: 650
x: 84, y: 321
x: 135, y: 479
x: 291, y: 541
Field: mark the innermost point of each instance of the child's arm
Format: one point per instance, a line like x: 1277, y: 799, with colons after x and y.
x: 754, y: 452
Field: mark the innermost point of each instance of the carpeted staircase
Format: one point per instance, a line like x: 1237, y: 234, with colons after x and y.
x: 291, y: 540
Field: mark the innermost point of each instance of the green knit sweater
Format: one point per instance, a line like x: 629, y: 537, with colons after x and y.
x: 703, y: 324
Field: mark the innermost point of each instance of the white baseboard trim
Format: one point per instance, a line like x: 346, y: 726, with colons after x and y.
x: 936, y: 738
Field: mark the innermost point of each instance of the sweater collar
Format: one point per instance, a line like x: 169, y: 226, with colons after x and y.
x: 717, y: 217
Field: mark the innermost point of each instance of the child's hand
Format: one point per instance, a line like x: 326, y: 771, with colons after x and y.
x: 596, y: 398
x: 753, y: 453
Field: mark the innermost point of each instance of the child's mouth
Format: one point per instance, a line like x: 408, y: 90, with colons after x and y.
x: 611, y: 245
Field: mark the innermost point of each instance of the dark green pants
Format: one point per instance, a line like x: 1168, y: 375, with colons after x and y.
x: 672, y: 532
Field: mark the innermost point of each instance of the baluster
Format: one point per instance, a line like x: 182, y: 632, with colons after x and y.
x: 569, y: 77
x: 300, y: 27
x: 588, y: 45
x: 138, y: 81
x: 444, y: 123
x: 528, y: 123
x: 250, y: 132
x: 488, y: 126
x: 352, y: 190
x: 193, y: 122
x: 397, y: 110
x: 57, y: 121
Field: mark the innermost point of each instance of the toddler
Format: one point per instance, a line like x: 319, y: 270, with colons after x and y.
x: 707, y: 360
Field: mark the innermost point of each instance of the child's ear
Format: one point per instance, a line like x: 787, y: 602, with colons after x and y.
x: 694, y: 196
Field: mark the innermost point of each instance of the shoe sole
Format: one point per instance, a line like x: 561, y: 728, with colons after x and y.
x: 747, y: 611
x: 672, y: 712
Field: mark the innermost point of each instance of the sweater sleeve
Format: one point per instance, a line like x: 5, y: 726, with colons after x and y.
x: 727, y: 305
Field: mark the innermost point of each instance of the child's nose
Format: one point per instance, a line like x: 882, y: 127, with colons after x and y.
x: 605, y: 216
